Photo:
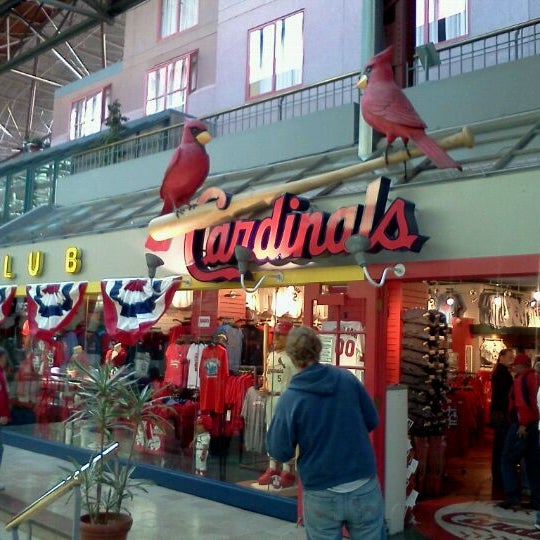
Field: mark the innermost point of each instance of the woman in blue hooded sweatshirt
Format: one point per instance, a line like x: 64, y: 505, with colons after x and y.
x: 327, y: 412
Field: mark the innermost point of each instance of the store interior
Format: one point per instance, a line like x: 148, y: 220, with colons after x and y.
x: 481, y: 317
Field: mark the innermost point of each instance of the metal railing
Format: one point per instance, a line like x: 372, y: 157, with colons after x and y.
x: 491, y: 49
x: 72, y: 482
x: 317, y: 97
x: 324, y: 95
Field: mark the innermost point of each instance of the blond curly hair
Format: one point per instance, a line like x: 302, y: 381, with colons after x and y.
x: 303, y: 346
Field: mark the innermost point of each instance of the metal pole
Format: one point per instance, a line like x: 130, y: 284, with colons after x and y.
x: 371, y: 33
x: 77, y: 513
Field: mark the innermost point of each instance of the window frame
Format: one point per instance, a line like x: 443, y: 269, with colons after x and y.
x: 191, y: 59
x: 273, y: 90
x: 177, y: 30
x: 425, y: 25
x: 78, y: 132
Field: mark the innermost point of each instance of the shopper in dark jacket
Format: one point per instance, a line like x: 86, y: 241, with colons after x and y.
x: 501, y: 383
x: 522, y: 438
x: 328, y: 414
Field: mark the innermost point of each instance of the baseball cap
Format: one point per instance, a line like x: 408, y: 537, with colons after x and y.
x: 283, y: 327
x: 522, y: 359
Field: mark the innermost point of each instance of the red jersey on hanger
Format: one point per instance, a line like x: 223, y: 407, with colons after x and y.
x: 213, y: 374
x: 176, y: 364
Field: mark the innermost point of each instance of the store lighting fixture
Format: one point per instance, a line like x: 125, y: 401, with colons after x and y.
x: 450, y: 300
x: 244, y: 257
x: 497, y: 301
x: 152, y: 262
x: 358, y: 247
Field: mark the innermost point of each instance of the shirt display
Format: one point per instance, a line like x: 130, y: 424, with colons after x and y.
x: 278, y: 374
x: 253, y: 412
x: 213, y: 374
x: 193, y: 357
x: 176, y: 364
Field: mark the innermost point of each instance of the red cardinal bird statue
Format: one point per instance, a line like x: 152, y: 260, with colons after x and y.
x: 185, y: 173
x: 387, y: 110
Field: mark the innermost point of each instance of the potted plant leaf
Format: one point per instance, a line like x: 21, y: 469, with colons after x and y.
x: 111, y: 403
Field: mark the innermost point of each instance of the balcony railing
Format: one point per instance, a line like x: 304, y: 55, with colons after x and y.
x: 318, y: 97
x: 498, y: 47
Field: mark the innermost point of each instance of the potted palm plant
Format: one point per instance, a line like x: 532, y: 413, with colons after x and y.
x: 110, y: 401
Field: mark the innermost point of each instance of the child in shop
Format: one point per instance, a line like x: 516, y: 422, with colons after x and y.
x: 201, y: 443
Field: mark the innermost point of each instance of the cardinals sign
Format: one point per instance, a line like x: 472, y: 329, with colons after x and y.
x: 294, y: 231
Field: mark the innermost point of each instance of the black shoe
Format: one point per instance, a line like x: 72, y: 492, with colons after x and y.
x: 509, y: 504
x: 531, y: 505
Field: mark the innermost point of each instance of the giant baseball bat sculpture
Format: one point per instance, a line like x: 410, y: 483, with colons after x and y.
x: 204, y: 215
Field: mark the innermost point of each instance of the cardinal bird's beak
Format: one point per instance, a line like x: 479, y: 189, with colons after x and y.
x: 203, y: 137
x: 362, y: 83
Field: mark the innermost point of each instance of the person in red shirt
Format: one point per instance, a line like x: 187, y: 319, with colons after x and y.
x: 4, y: 400
x: 522, y: 438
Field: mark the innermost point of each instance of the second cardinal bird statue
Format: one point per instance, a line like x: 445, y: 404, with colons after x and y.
x: 387, y: 110
x: 185, y: 174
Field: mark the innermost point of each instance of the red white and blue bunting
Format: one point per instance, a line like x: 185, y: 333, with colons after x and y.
x: 132, y: 306
x: 52, y: 306
x: 7, y: 295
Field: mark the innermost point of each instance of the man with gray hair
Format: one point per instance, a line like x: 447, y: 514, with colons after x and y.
x: 328, y: 413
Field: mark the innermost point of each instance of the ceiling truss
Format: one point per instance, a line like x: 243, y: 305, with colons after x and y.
x: 44, y: 45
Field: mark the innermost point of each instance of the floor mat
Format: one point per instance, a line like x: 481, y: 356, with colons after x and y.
x: 466, y: 519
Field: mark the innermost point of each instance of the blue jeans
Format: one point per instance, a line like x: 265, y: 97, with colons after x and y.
x: 516, y: 449
x: 361, y: 511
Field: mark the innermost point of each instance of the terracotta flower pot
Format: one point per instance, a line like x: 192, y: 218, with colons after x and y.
x: 116, y: 528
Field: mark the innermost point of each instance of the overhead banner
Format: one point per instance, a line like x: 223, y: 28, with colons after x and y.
x: 132, y: 306
x: 52, y: 306
x: 7, y: 295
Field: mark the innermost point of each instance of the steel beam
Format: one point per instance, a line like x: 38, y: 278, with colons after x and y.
x: 114, y: 9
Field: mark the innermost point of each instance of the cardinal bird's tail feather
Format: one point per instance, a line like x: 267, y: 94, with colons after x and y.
x: 435, y: 153
x: 157, y: 245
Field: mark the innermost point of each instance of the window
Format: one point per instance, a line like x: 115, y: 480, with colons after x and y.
x: 440, y: 20
x: 43, y: 185
x: 167, y: 86
x: 17, y: 194
x: 178, y: 15
x: 276, y: 54
x: 88, y: 113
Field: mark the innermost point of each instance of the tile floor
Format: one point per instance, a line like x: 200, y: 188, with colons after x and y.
x: 162, y: 513
x: 466, y: 510
x: 158, y: 515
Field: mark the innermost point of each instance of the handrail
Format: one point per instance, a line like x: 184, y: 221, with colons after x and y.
x: 59, y: 489
x: 274, y: 97
x: 496, y: 47
x: 488, y: 35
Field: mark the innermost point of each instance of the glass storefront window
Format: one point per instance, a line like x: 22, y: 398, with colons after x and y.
x: 3, y: 183
x: 43, y: 185
x: 17, y: 194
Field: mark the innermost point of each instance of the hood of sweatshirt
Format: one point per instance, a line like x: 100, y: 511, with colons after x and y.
x: 316, y: 379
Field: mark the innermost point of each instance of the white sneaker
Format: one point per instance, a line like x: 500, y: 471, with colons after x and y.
x: 537, y: 526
